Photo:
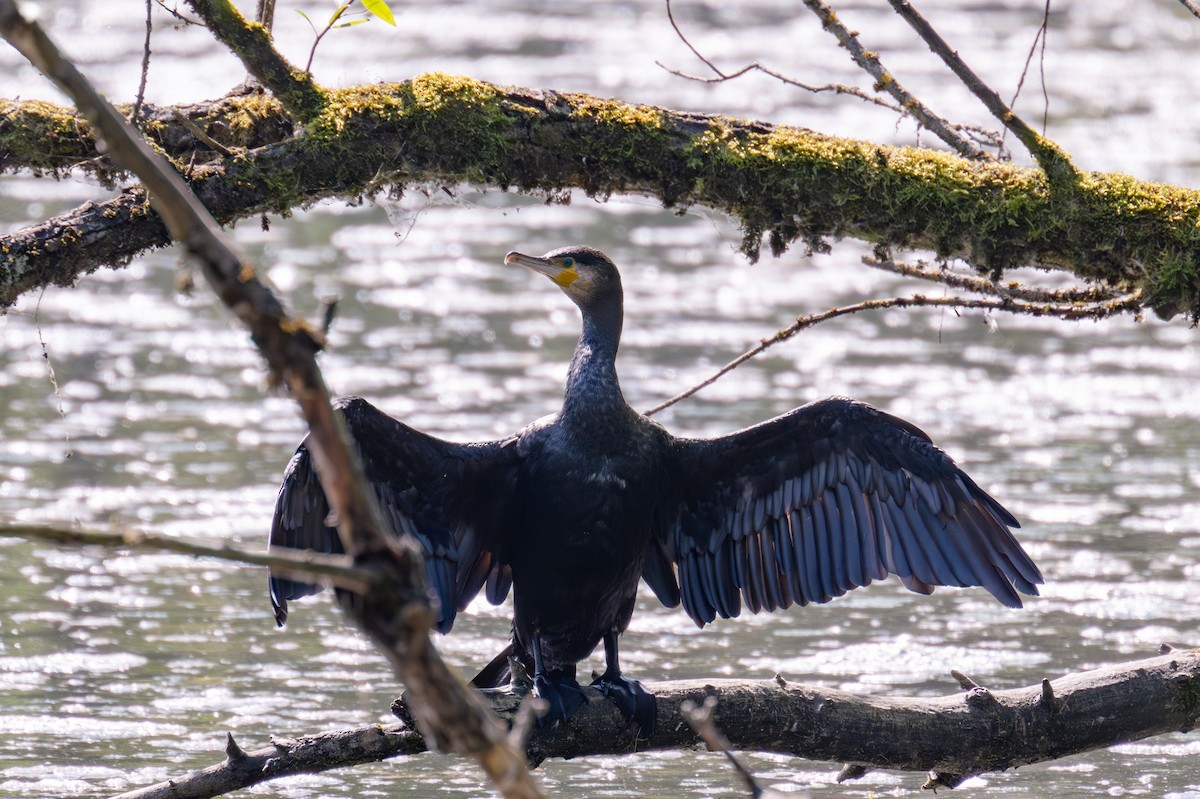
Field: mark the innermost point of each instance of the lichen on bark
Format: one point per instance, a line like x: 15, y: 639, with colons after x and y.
x: 783, y: 184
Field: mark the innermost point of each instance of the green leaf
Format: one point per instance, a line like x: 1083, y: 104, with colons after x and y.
x: 351, y: 23
x: 380, y: 9
x: 337, y: 13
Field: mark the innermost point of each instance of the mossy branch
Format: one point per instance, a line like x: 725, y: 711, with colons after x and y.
x: 251, y: 42
x: 49, y: 139
x: 784, y: 184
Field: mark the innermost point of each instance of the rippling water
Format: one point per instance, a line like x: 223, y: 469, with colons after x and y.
x: 120, y: 670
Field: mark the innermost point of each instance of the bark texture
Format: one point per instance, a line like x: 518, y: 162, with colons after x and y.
x: 783, y: 184
x: 952, y: 736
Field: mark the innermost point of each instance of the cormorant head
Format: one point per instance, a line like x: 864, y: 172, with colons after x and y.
x: 586, y: 275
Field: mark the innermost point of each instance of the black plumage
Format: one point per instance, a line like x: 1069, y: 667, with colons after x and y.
x: 573, y: 510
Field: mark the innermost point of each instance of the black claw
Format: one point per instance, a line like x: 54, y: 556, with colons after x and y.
x: 562, y: 693
x: 635, y: 702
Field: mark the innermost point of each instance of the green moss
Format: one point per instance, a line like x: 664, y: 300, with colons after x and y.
x: 829, y: 186
x: 626, y: 144
x: 455, y: 124
x: 785, y: 185
x: 43, y: 136
x: 247, y: 115
x: 791, y: 184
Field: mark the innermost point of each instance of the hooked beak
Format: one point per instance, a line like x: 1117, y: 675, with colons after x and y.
x: 561, y: 275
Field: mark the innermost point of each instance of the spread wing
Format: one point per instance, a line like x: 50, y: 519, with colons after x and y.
x: 829, y: 497
x: 452, y: 498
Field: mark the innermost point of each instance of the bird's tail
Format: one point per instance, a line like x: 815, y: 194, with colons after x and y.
x: 496, y: 673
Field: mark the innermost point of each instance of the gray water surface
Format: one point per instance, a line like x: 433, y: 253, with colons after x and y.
x: 118, y: 670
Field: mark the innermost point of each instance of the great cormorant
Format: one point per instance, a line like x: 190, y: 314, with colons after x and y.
x: 573, y: 510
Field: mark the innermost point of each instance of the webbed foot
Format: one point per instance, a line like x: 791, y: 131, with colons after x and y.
x: 562, y: 693
x: 635, y: 702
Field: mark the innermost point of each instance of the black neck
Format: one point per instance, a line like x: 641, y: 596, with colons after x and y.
x: 592, y: 384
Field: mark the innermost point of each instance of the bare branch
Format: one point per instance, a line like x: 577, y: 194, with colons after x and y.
x: 1052, y: 159
x: 836, y: 88
x: 908, y: 105
x: 174, y: 12
x: 396, y: 612
x: 286, y: 757
x: 700, y: 719
x: 264, y: 14
x: 141, y: 90
x: 332, y: 570
x: 1041, y: 37
x: 885, y: 81
x: 1070, y: 310
x: 695, y: 52
x: 950, y: 735
x: 1013, y: 290
x: 199, y: 133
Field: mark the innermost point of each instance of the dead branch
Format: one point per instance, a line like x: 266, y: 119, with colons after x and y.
x: 954, y: 736
x: 264, y: 13
x: 1043, y: 34
x: 1125, y: 304
x: 701, y: 720
x: 1191, y: 5
x: 886, y: 82
x: 395, y: 611
x: 1053, y: 160
x: 332, y: 570
x: 1087, y: 295
x: 757, y: 66
x: 285, y: 757
x: 906, y: 103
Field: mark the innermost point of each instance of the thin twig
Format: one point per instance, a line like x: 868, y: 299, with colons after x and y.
x: 335, y: 570
x: 907, y: 104
x: 1050, y: 157
x: 836, y: 88
x: 885, y: 81
x: 1100, y: 310
x: 333, y: 18
x: 1040, y: 38
x: 183, y: 19
x: 1017, y: 291
x: 199, y: 133
x: 695, y: 52
x: 37, y: 321
x: 141, y: 91
x: 756, y: 66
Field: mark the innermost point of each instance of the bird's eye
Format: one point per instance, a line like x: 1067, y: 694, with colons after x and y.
x: 568, y: 262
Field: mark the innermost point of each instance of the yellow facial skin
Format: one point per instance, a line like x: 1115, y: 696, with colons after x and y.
x: 560, y: 270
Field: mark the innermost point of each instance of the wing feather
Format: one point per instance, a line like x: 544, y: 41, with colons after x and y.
x: 451, y: 498
x: 830, y: 497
